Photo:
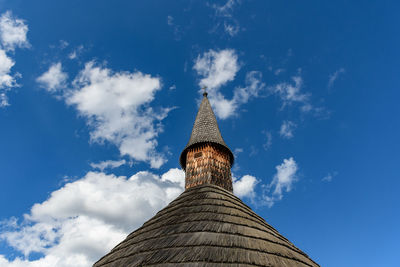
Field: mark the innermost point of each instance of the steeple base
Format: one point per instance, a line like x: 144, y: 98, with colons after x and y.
x: 208, y: 163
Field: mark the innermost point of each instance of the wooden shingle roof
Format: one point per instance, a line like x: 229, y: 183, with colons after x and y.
x: 205, y: 130
x: 206, y: 226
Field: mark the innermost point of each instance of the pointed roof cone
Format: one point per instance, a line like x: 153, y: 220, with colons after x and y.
x: 205, y: 130
x: 206, y: 226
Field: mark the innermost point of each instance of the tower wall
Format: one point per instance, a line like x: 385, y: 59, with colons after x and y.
x: 208, y: 164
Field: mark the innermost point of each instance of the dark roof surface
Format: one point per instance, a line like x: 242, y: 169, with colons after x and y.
x: 205, y: 130
x: 206, y: 226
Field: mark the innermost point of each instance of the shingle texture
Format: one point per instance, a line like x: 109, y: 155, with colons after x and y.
x: 205, y: 130
x: 206, y: 226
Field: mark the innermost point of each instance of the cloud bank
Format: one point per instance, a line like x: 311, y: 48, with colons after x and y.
x: 84, y: 219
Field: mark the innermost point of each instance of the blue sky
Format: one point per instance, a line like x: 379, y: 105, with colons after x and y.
x: 98, y: 99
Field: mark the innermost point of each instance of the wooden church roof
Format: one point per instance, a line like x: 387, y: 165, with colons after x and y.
x: 206, y: 226
x: 205, y: 130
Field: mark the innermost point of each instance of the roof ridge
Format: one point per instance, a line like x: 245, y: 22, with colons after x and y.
x: 218, y: 189
x: 187, y: 198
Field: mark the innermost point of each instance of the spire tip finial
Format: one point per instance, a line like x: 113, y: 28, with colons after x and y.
x: 204, y: 91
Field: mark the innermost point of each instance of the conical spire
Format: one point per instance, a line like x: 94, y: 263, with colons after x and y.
x: 205, y: 130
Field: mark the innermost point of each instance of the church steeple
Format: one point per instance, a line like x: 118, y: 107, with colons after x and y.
x: 206, y: 158
x: 206, y: 225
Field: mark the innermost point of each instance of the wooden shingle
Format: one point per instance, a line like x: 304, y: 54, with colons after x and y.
x: 205, y: 130
x: 206, y: 226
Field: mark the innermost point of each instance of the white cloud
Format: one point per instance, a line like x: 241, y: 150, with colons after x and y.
x: 286, y: 175
x: 6, y: 63
x: 244, y: 187
x: 175, y: 175
x: 226, y: 9
x: 75, y: 53
x: 3, y: 100
x: 237, y: 151
x: 226, y: 108
x: 170, y: 20
x: 72, y: 55
x: 108, y: 164
x: 7, y: 81
x: 84, y: 219
x: 12, y: 32
x: 287, y: 129
x: 63, y: 44
x: 268, y: 140
x: 218, y: 68
x: 278, y: 71
x: 176, y: 29
x: 253, y: 151
x: 291, y: 92
x: 329, y: 177
x: 115, y: 106
x: 253, y: 86
x: 334, y: 76
x: 231, y: 29
x: 230, y: 24
x: 54, y: 78
x: 282, y: 182
x: 223, y: 108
